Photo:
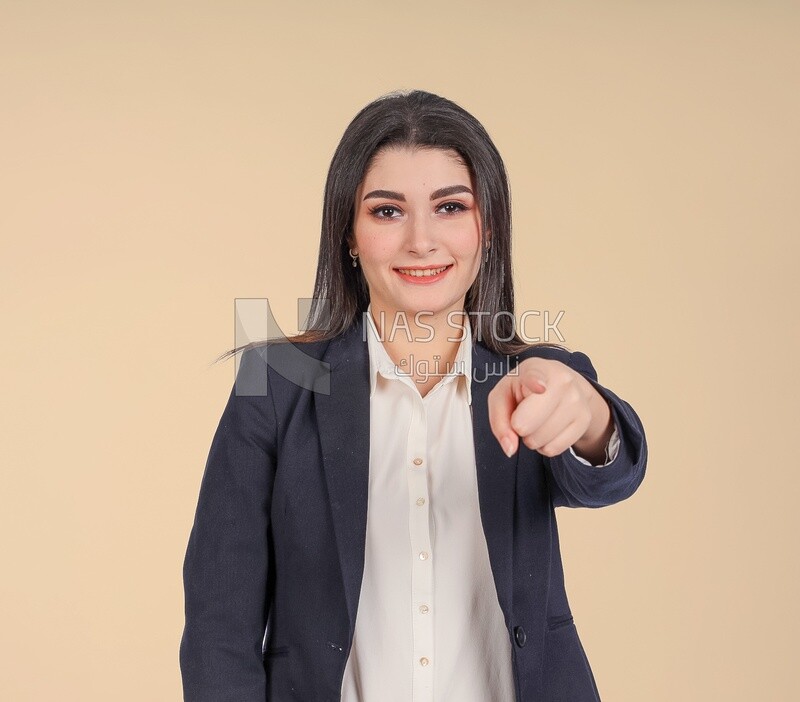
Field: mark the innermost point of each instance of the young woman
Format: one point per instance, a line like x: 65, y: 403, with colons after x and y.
x: 376, y: 517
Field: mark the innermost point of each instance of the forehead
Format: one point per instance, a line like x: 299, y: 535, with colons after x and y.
x: 415, y: 163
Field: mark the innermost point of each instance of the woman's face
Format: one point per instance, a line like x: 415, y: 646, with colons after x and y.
x: 415, y: 211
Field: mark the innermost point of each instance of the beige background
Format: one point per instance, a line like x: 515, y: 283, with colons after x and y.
x: 160, y: 159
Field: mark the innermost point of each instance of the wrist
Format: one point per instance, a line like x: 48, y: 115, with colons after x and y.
x: 592, y: 445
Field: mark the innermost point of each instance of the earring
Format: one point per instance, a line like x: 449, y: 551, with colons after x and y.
x: 354, y: 257
x: 486, y: 258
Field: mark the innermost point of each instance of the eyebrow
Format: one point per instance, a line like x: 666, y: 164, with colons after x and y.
x: 441, y: 192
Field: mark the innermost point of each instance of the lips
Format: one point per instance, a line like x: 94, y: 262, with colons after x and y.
x: 423, y: 272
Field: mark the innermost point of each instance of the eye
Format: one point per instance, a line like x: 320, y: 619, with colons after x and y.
x: 391, y: 212
x: 457, y: 205
x: 380, y: 209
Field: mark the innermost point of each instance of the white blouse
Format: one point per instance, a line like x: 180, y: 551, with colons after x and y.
x: 429, y: 625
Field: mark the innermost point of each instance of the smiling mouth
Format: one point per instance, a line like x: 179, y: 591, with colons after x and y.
x: 423, y: 272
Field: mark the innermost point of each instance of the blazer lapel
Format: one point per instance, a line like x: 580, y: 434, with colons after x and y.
x: 343, y: 422
x: 496, y: 473
x: 343, y: 419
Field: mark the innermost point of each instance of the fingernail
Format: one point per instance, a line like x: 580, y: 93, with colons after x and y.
x: 508, y: 447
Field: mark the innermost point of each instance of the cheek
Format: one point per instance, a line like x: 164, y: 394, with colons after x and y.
x: 376, y: 248
x: 374, y: 253
x: 469, y: 254
x: 467, y: 249
x: 467, y: 244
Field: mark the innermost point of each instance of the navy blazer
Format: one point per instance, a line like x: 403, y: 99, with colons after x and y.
x: 276, y: 551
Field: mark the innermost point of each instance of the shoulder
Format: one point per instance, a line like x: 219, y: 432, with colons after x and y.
x: 276, y: 360
x: 296, y: 364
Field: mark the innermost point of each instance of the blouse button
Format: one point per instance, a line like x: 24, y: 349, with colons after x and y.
x: 417, y: 461
x: 423, y: 556
x: 420, y: 501
x: 423, y: 609
x: 423, y: 661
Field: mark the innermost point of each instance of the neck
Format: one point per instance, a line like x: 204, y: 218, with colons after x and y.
x: 424, y: 337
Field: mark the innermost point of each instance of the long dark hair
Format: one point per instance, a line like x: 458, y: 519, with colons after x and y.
x: 412, y: 119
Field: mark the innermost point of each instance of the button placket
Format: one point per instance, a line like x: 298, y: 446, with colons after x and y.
x: 421, y: 551
x: 392, y: 659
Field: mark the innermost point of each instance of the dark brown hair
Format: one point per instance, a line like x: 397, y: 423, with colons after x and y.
x: 412, y: 119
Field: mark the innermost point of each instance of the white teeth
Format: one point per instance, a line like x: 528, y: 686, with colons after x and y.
x: 422, y: 274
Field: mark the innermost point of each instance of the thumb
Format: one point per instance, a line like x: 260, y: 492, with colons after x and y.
x: 531, y: 385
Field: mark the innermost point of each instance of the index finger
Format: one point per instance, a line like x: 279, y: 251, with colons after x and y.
x: 501, y: 403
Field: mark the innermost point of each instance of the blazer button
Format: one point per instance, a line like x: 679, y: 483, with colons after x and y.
x: 519, y: 635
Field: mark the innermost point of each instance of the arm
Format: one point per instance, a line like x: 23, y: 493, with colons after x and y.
x: 573, y: 483
x: 225, y: 567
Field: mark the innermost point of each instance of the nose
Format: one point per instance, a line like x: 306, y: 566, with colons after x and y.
x: 421, y: 235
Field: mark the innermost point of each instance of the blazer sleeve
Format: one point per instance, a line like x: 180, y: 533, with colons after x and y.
x: 573, y: 483
x: 226, y: 562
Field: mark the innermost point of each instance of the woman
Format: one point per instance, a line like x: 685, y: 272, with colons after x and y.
x: 376, y: 518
